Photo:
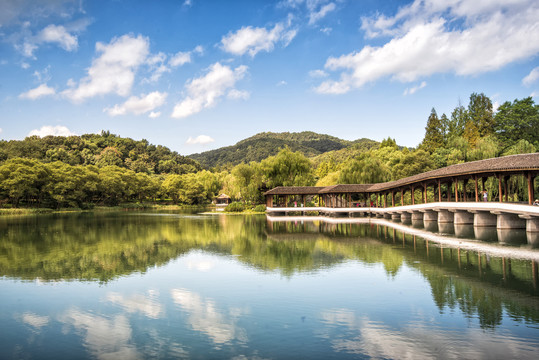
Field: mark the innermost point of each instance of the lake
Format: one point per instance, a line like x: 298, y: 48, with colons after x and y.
x: 139, y: 285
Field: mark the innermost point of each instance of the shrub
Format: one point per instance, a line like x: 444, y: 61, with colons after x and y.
x: 259, y: 208
x: 235, y: 207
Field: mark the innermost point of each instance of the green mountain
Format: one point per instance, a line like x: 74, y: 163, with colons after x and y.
x: 262, y: 145
x: 99, y: 149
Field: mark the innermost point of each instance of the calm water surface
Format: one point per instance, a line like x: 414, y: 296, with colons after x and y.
x: 148, y: 285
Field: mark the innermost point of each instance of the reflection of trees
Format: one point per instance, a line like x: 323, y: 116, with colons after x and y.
x: 477, y: 284
x: 104, y: 246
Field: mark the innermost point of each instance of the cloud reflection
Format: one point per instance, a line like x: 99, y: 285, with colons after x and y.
x: 34, y: 320
x: 105, y: 338
x: 205, y: 317
x: 147, y: 305
x: 418, y: 340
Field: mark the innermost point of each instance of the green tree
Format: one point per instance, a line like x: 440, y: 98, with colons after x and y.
x: 287, y: 168
x: 481, y: 118
x: 518, y: 121
x: 23, y: 179
x: 486, y: 148
x: 413, y: 163
x: 365, y: 169
x: 109, y: 156
x: 72, y: 186
x: 459, y: 118
x: 434, y: 137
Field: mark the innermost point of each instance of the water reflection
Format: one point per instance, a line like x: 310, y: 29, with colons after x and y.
x: 205, y: 317
x: 421, y: 339
x: 159, y: 286
x: 105, y: 338
x: 147, y: 305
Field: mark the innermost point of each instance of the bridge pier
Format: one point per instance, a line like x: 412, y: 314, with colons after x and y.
x: 395, y: 216
x: 483, y: 218
x: 417, y: 216
x: 509, y: 221
x: 463, y: 217
x: 406, y: 216
x: 430, y: 215
x: 444, y: 216
x: 532, y: 223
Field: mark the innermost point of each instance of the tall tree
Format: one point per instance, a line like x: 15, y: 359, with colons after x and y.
x: 481, y: 118
x: 433, y: 133
x: 518, y: 121
x: 456, y: 125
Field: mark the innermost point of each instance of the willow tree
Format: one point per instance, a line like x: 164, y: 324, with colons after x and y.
x: 287, y: 168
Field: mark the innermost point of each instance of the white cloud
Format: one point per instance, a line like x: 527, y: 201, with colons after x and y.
x: 180, y: 59
x: 1, y: 130
x: 46, y: 130
x: 412, y: 90
x: 253, y: 40
x: 200, y: 139
x: 531, y: 77
x: 326, y: 30
x: 428, y: 40
x: 154, y: 114
x: 318, y: 74
x: 205, y: 91
x: 58, y: 34
x: 114, y: 70
x: 139, y: 105
x: 236, y: 94
x: 40, y: 91
x: 314, y: 16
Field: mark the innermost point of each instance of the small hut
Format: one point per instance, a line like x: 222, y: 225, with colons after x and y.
x: 222, y: 200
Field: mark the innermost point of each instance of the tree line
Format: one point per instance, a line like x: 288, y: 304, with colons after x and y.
x: 106, y: 169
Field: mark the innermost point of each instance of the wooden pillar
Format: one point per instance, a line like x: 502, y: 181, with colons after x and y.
x: 464, y: 183
x: 303, y: 198
x: 476, y: 192
x: 439, y: 190
x: 424, y: 193
x: 506, y: 187
x: 531, y: 189
x: 385, y: 199
x: 500, y: 187
x: 402, y: 197
x: 456, y: 190
x: 393, y: 198
x: 349, y: 200
x: 412, y: 196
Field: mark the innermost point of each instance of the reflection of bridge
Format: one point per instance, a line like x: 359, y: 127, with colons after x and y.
x: 447, y: 195
x: 448, y: 235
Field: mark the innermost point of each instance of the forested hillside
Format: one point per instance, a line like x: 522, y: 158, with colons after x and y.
x: 260, y: 146
x: 101, y: 150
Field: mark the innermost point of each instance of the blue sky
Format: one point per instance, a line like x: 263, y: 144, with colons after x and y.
x: 197, y: 75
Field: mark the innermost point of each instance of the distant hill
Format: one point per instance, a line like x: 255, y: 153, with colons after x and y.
x: 99, y: 149
x: 262, y: 145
